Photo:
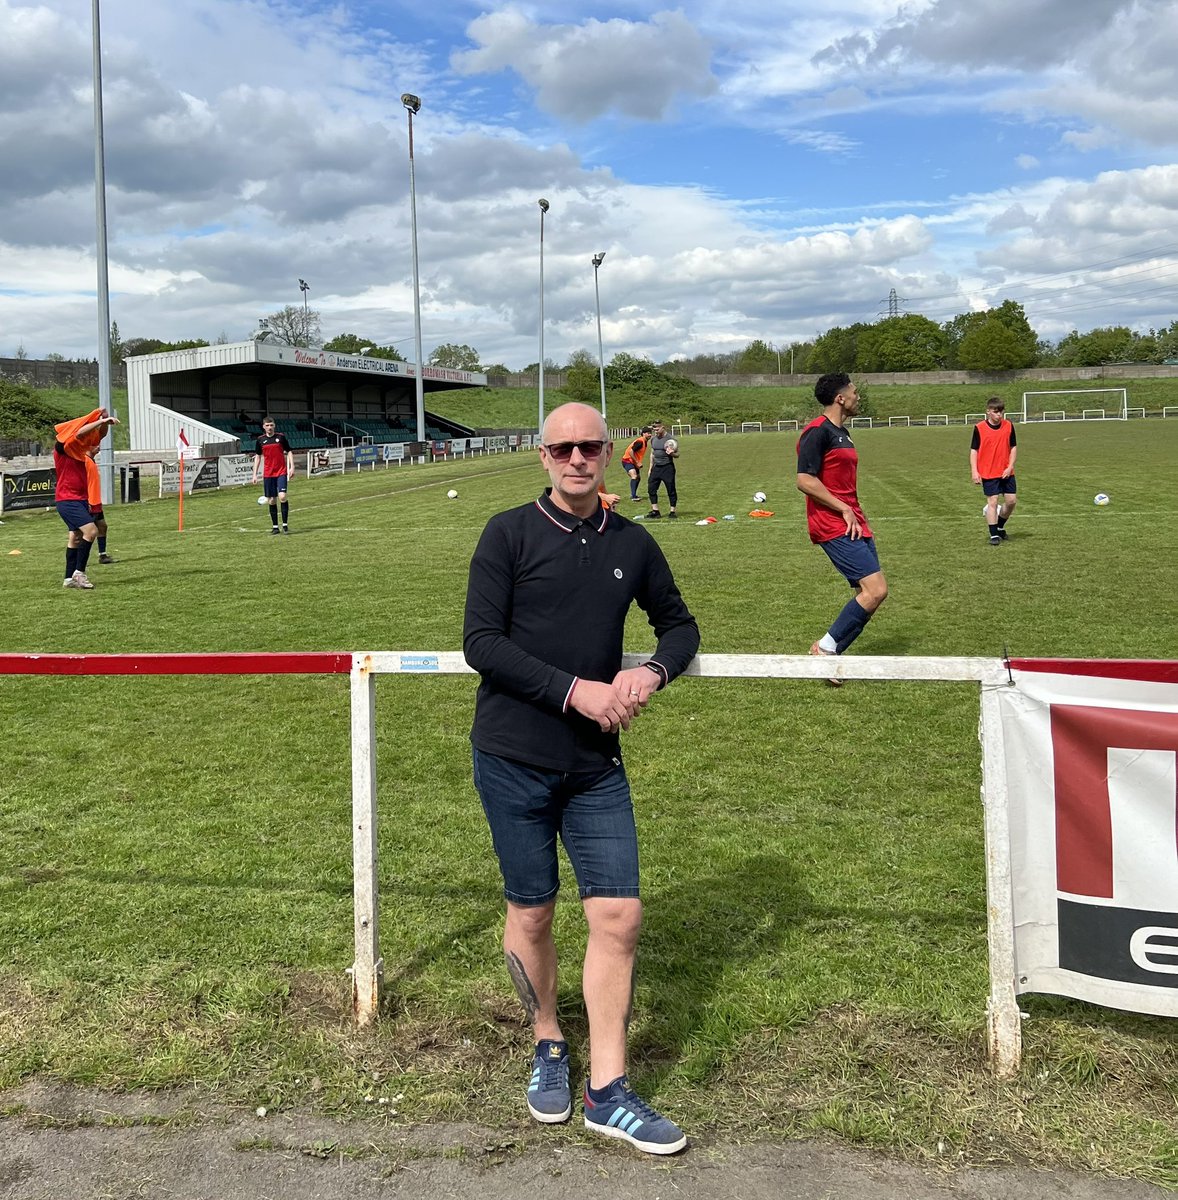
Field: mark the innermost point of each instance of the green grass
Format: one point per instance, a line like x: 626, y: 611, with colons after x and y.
x: 175, y: 854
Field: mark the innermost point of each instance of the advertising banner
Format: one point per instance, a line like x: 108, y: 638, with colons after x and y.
x: 394, y: 452
x: 497, y: 444
x: 365, y: 455
x: 326, y: 462
x: 200, y: 474
x: 458, y: 446
x: 28, y: 489
x: 1091, y: 749
x: 234, y: 470
x: 477, y: 444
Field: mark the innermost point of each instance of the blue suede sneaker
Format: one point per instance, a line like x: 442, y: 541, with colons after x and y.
x: 549, y: 1099
x: 623, y: 1115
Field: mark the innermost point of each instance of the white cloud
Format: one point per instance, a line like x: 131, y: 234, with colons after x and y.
x: 1026, y: 162
x: 580, y: 72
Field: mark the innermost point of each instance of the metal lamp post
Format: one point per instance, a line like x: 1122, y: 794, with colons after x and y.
x: 412, y: 105
x: 106, y: 458
x: 597, y: 260
x: 305, y: 287
x: 543, y: 209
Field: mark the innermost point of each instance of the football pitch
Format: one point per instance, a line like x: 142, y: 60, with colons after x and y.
x: 175, y: 854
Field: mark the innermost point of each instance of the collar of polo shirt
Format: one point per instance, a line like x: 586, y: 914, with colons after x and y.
x: 567, y: 520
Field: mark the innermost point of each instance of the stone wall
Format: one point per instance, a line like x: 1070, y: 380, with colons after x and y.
x: 43, y: 373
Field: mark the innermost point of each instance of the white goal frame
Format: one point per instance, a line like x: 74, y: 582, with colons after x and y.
x: 903, y: 422
x: 1121, y: 415
x: 680, y: 431
x: 720, y: 425
x: 750, y: 427
x: 784, y: 424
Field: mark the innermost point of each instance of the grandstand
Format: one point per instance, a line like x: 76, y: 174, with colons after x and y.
x: 219, y: 394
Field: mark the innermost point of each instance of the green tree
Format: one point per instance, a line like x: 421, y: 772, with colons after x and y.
x: 627, y: 368
x: 455, y: 357
x: 992, y: 346
x: 1167, y: 340
x: 836, y: 349
x: 1020, y: 349
x: 24, y: 415
x: 1113, y: 343
x: 353, y: 343
x: 582, y: 381
x: 757, y: 358
x: 907, y: 343
x: 116, y: 343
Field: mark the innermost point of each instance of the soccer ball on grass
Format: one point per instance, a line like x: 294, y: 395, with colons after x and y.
x: 759, y: 497
x: 1100, y: 499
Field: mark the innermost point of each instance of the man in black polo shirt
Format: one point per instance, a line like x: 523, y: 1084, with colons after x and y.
x: 550, y: 585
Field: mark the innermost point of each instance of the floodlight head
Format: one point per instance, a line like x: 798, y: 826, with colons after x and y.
x: 365, y: 349
x: 411, y: 102
x: 304, y: 286
x: 597, y: 259
x: 543, y: 205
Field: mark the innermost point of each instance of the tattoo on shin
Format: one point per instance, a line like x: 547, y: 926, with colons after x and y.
x: 523, y: 985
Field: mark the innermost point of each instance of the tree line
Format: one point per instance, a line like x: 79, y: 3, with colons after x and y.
x: 993, y: 339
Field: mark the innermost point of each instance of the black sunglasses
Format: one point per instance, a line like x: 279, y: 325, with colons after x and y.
x: 563, y: 451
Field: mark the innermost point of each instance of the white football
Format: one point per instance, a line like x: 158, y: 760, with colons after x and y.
x: 1100, y: 499
x: 759, y: 497
x: 262, y: 500
x: 671, y: 446
x: 451, y: 495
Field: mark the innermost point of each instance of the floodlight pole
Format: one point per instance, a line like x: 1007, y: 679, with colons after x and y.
x: 106, y: 458
x: 305, y: 287
x: 412, y: 105
x: 597, y: 261
x: 543, y: 209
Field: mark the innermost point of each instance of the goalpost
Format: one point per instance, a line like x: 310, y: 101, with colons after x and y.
x: 1045, y: 406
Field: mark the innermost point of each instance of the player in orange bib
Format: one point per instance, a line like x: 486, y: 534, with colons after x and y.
x: 992, y: 452
x: 94, y: 498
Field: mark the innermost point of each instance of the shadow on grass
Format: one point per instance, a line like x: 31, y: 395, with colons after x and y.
x: 696, y: 933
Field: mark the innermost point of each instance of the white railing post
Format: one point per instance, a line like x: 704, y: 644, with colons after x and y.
x: 368, y: 966
x: 1002, y: 1011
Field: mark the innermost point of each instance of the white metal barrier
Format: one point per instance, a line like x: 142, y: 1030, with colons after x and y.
x: 367, y: 970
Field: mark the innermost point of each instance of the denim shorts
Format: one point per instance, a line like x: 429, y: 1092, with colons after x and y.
x: 528, y: 807
x: 855, y: 559
x: 999, y: 487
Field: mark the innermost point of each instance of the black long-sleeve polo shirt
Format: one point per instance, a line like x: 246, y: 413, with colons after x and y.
x: 546, y: 605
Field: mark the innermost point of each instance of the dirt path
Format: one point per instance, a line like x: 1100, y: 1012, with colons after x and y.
x: 71, y: 1145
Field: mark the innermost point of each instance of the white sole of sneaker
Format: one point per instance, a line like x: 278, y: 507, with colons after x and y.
x: 645, y: 1147
x: 551, y: 1118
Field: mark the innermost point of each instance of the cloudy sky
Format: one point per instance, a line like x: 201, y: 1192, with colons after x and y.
x: 751, y: 168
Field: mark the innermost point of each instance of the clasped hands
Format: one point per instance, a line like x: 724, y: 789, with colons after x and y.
x: 614, y: 705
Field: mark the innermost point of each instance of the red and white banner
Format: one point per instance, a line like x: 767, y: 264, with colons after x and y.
x: 1090, y: 751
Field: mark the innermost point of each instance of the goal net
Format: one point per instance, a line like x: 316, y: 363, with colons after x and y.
x: 1077, y: 404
